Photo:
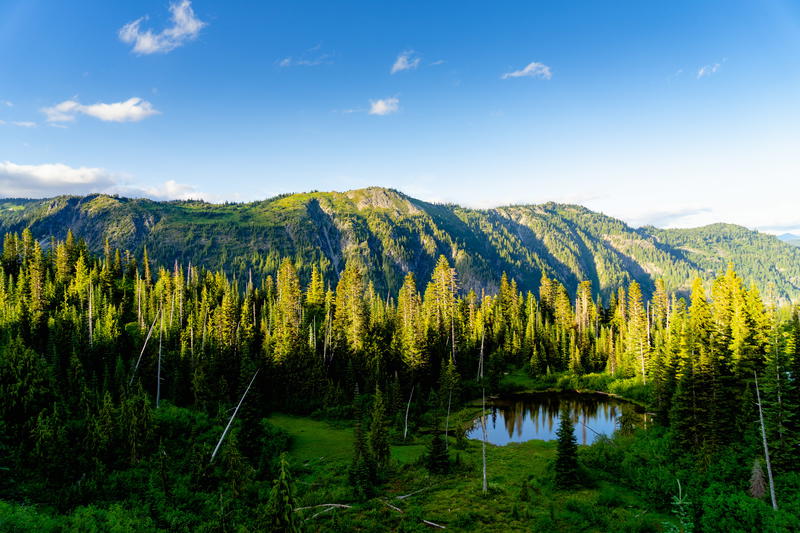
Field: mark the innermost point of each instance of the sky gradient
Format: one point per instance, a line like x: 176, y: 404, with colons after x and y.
x: 674, y: 114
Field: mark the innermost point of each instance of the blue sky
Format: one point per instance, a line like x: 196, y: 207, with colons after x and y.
x: 674, y: 113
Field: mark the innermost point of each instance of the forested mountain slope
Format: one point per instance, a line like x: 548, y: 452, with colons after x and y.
x: 394, y: 233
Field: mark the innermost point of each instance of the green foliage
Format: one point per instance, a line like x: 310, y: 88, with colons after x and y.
x: 378, y: 433
x: 279, y: 514
x: 566, y: 465
x: 363, y: 468
x: 682, y: 508
x: 437, y: 460
x: 568, y: 243
x: 83, y: 339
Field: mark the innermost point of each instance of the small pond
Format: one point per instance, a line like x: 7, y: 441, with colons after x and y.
x: 524, y: 417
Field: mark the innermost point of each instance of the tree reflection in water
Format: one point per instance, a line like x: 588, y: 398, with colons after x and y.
x: 526, y: 417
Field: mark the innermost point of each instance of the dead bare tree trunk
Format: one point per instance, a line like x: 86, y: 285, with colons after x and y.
x: 143, y: 347
x: 408, y: 407
x: 158, y: 374
x: 225, y: 432
x: 139, y: 317
x: 766, y: 448
x: 483, y: 417
x: 91, y: 315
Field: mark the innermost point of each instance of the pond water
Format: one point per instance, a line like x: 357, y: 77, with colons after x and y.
x: 524, y: 417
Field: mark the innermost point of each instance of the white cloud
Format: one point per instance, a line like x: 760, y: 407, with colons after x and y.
x: 669, y: 218
x: 675, y: 75
x: 708, y: 70
x: 24, y: 123
x: 531, y: 70
x: 310, y: 58
x: 405, y: 61
x: 185, y: 27
x: 304, y: 62
x: 49, y: 179
x: 131, y: 110
x: 169, y: 190
x: 53, y: 179
x: 8, y: 103
x: 172, y: 190
x: 384, y: 106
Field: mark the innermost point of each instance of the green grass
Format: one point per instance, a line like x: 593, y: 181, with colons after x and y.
x: 313, y: 439
x: 322, y: 450
x: 520, y: 380
x: 407, y: 453
x: 630, y: 389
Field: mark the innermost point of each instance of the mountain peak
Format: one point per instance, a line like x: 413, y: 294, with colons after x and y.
x: 382, y: 198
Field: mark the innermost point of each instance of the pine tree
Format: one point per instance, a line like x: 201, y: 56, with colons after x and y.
x: 362, y: 472
x: 659, y: 309
x: 315, y: 294
x: 279, y: 514
x: 638, y: 346
x: 566, y: 465
x: 437, y: 460
x: 350, y: 317
x: 287, y: 311
x: 409, y: 322
x: 378, y: 433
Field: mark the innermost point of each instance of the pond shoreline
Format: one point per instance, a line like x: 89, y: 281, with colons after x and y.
x: 521, y: 408
x: 556, y: 390
x: 475, y: 403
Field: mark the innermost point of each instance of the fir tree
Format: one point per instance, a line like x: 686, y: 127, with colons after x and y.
x: 378, y: 434
x: 362, y: 472
x: 279, y: 514
x: 437, y: 460
x: 566, y: 465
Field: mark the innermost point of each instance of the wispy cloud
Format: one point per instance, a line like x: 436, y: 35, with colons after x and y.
x: 7, y: 103
x: 169, y: 190
x: 791, y: 227
x: 20, y: 123
x: 300, y: 62
x: 668, y: 218
x: 310, y: 58
x: 675, y: 75
x: 405, y: 61
x: 708, y: 70
x: 52, y: 179
x: 438, y: 62
x: 131, y: 110
x: 185, y: 27
x: 384, y: 106
x: 349, y: 111
x: 531, y: 70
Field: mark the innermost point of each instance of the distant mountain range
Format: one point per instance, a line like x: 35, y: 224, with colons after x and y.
x: 790, y: 238
x: 393, y: 234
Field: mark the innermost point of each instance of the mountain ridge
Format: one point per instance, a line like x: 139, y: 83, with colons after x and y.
x: 393, y: 233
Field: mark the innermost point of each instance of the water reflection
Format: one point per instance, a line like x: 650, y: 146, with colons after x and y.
x: 536, y: 416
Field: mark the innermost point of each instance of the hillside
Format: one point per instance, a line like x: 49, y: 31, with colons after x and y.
x: 790, y: 238
x: 394, y: 233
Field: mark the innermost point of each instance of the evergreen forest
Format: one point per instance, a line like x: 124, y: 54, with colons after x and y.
x: 147, y: 393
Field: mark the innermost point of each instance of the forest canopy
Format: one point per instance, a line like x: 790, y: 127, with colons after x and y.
x: 118, y: 374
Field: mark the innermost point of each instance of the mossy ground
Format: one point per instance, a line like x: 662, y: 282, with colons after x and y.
x: 321, y: 453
